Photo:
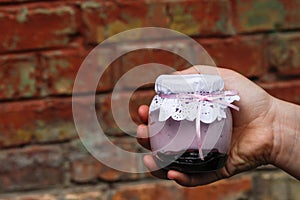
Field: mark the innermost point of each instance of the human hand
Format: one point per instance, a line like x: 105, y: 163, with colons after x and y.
x: 252, y: 137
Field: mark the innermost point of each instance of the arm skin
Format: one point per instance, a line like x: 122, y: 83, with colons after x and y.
x: 286, y: 145
x: 266, y: 130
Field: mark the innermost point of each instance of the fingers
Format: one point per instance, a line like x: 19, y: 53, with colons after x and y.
x: 142, y: 129
x: 154, y: 169
x: 142, y: 136
x: 190, y: 180
x: 180, y: 178
x: 143, y: 113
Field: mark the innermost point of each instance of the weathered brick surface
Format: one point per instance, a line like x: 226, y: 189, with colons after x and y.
x: 285, y: 90
x: 251, y: 16
x: 44, y: 43
x: 19, y: 76
x: 36, y: 121
x: 201, y: 18
x: 85, y: 168
x: 60, y: 69
x: 54, y: 72
x: 229, y: 189
x: 113, y: 19
x: 293, y: 187
x: 102, y: 64
x: 186, y: 17
x: 245, y: 54
x: 75, y: 193
x: 283, y: 53
x: 127, y: 114
x: 139, y: 67
x: 276, y: 185
x: 31, y: 168
x: 23, y: 22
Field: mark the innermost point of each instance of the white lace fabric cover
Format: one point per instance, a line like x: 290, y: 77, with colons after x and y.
x: 187, y: 108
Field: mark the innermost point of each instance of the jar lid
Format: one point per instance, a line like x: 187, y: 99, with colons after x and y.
x: 192, y: 96
x: 188, y: 83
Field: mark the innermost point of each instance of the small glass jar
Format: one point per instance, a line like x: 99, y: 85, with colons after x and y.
x: 190, y: 123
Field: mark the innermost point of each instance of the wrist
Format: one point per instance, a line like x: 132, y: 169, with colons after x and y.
x: 286, y: 135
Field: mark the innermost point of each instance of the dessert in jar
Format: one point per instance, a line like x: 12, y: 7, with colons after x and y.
x: 190, y: 122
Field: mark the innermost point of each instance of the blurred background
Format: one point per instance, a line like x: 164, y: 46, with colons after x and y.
x: 42, y: 45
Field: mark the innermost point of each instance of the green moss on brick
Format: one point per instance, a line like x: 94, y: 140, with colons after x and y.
x: 11, y: 43
x: 56, y: 131
x: 22, y: 15
x: 62, y: 41
x: 27, y: 84
x: 58, y: 63
x: 183, y: 21
x: 267, y: 14
x: 59, y: 11
x: 19, y: 136
x: 64, y: 85
x: 119, y: 26
x: 90, y: 4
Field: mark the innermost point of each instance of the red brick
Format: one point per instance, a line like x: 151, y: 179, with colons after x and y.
x: 201, y: 17
x: 147, y: 191
x: 292, y: 15
x: 110, y: 174
x: 238, y: 188
x: 49, y: 120
x: 47, y: 25
x: 226, y: 189
x: 19, y: 76
x: 266, y: 15
x: 189, y: 17
x: 31, y: 167
x: 283, y: 51
x: 94, y: 30
x: 52, y: 73
x: 167, y: 52
x: 135, y: 76
x: 274, y: 185
x: 75, y: 193
x: 120, y: 16
x: 9, y: 1
x: 61, y: 68
x: 16, y: 130
x: 245, y: 54
x: 285, y: 90
x: 101, y: 60
x: 126, y: 113
x: 85, y: 168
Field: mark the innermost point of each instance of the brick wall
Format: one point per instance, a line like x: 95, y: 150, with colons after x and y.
x: 42, y: 44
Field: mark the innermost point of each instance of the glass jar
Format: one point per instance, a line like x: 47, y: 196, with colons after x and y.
x: 190, y: 123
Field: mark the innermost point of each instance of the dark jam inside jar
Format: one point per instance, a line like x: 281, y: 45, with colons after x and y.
x: 190, y: 162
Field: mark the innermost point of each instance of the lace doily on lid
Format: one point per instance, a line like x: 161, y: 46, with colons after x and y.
x: 190, y: 97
